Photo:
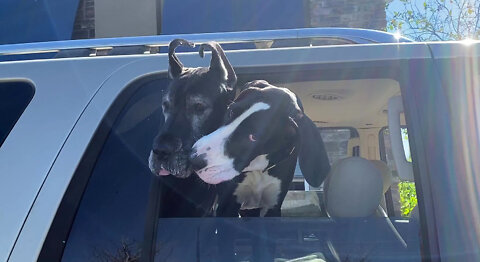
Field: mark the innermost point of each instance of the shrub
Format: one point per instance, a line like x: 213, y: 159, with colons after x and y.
x: 408, y: 197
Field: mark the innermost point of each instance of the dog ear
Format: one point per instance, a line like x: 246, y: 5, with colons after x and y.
x: 175, y: 67
x: 220, y: 64
x: 312, y: 157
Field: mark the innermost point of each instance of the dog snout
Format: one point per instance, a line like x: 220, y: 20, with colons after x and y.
x: 165, y: 146
x: 198, y: 161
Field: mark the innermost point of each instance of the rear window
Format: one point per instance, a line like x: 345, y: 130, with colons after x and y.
x: 14, y: 98
x: 336, y: 143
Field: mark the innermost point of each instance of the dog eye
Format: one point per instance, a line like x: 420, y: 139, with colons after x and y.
x: 252, y: 138
x: 199, y: 108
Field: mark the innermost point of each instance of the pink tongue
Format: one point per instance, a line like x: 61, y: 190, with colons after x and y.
x: 163, y: 172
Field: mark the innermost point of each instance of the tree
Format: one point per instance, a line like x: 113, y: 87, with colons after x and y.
x: 128, y: 251
x: 125, y: 251
x: 434, y: 20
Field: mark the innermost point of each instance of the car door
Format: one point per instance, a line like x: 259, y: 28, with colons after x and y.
x: 61, y: 89
x: 102, y: 164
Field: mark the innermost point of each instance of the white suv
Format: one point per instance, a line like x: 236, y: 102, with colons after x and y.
x: 76, y: 128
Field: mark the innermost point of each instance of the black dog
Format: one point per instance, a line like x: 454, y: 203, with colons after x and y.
x: 193, y: 106
x: 252, y: 158
x: 254, y: 153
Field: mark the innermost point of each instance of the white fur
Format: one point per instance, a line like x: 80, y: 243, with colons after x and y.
x: 258, y: 163
x: 165, y: 115
x: 293, y: 96
x: 219, y: 166
x: 258, y: 190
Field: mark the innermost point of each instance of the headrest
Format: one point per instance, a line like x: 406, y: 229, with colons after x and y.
x: 387, y: 176
x: 353, y: 188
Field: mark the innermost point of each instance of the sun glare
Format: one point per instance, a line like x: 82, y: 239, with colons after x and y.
x: 468, y: 41
x: 397, y: 35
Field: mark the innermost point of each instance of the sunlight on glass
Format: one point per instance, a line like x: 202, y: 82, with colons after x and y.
x: 406, y: 145
x: 397, y: 35
x: 468, y: 41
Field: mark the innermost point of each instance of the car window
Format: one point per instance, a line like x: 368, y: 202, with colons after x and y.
x: 118, y: 217
x: 14, y: 98
x: 387, y: 149
x: 110, y: 222
x: 336, y: 143
x: 402, y: 197
x: 305, y: 229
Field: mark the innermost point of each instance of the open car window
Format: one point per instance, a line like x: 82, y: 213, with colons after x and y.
x: 118, y: 215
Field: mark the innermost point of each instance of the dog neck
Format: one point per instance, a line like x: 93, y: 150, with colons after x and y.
x: 258, y: 190
x: 280, y: 157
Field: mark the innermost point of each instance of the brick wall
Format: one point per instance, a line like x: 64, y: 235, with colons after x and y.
x: 84, y: 26
x: 369, y: 14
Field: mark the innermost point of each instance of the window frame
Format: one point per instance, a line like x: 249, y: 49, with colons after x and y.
x: 383, y: 156
x: 30, y: 95
x: 378, y: 66
x: 410, y: 86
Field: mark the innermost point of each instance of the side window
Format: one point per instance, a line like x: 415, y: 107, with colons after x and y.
x: 336, y: 141
x: 402, y: 197
x: 110, y: 222
x: 14, y: 98
x: 119, y: 215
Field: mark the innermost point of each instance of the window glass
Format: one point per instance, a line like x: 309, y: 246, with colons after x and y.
x: 387, y: 150
x: 110, y: 222
x: 304, y: 231
x: 336, y: 143
x: 14, y: 98
x: 403, y: 194
x: 406, y: 145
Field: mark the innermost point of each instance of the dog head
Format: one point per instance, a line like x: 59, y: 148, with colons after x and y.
x: 262, y: 127
x: 193, y: 105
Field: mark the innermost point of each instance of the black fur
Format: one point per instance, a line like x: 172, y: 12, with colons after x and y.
x: 282, y: 132
x: 194, y: 105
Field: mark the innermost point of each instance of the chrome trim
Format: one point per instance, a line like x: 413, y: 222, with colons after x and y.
x: 358, y: 36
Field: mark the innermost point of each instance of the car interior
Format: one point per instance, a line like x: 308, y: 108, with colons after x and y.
x: 353, y: 216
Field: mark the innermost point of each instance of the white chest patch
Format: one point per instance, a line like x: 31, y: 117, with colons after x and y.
x: 258, y: 190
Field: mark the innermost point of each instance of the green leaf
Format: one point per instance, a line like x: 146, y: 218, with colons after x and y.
x: 425, y: 5
x: 408, y: 197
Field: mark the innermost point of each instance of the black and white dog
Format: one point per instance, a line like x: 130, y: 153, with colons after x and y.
x: 193, y: 106
x: 253, y: 155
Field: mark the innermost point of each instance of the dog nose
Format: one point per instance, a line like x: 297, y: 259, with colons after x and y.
x: 166, y: 145
x: 197, y: 161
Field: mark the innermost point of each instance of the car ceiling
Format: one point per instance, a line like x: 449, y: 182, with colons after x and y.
x: 358, y: 103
